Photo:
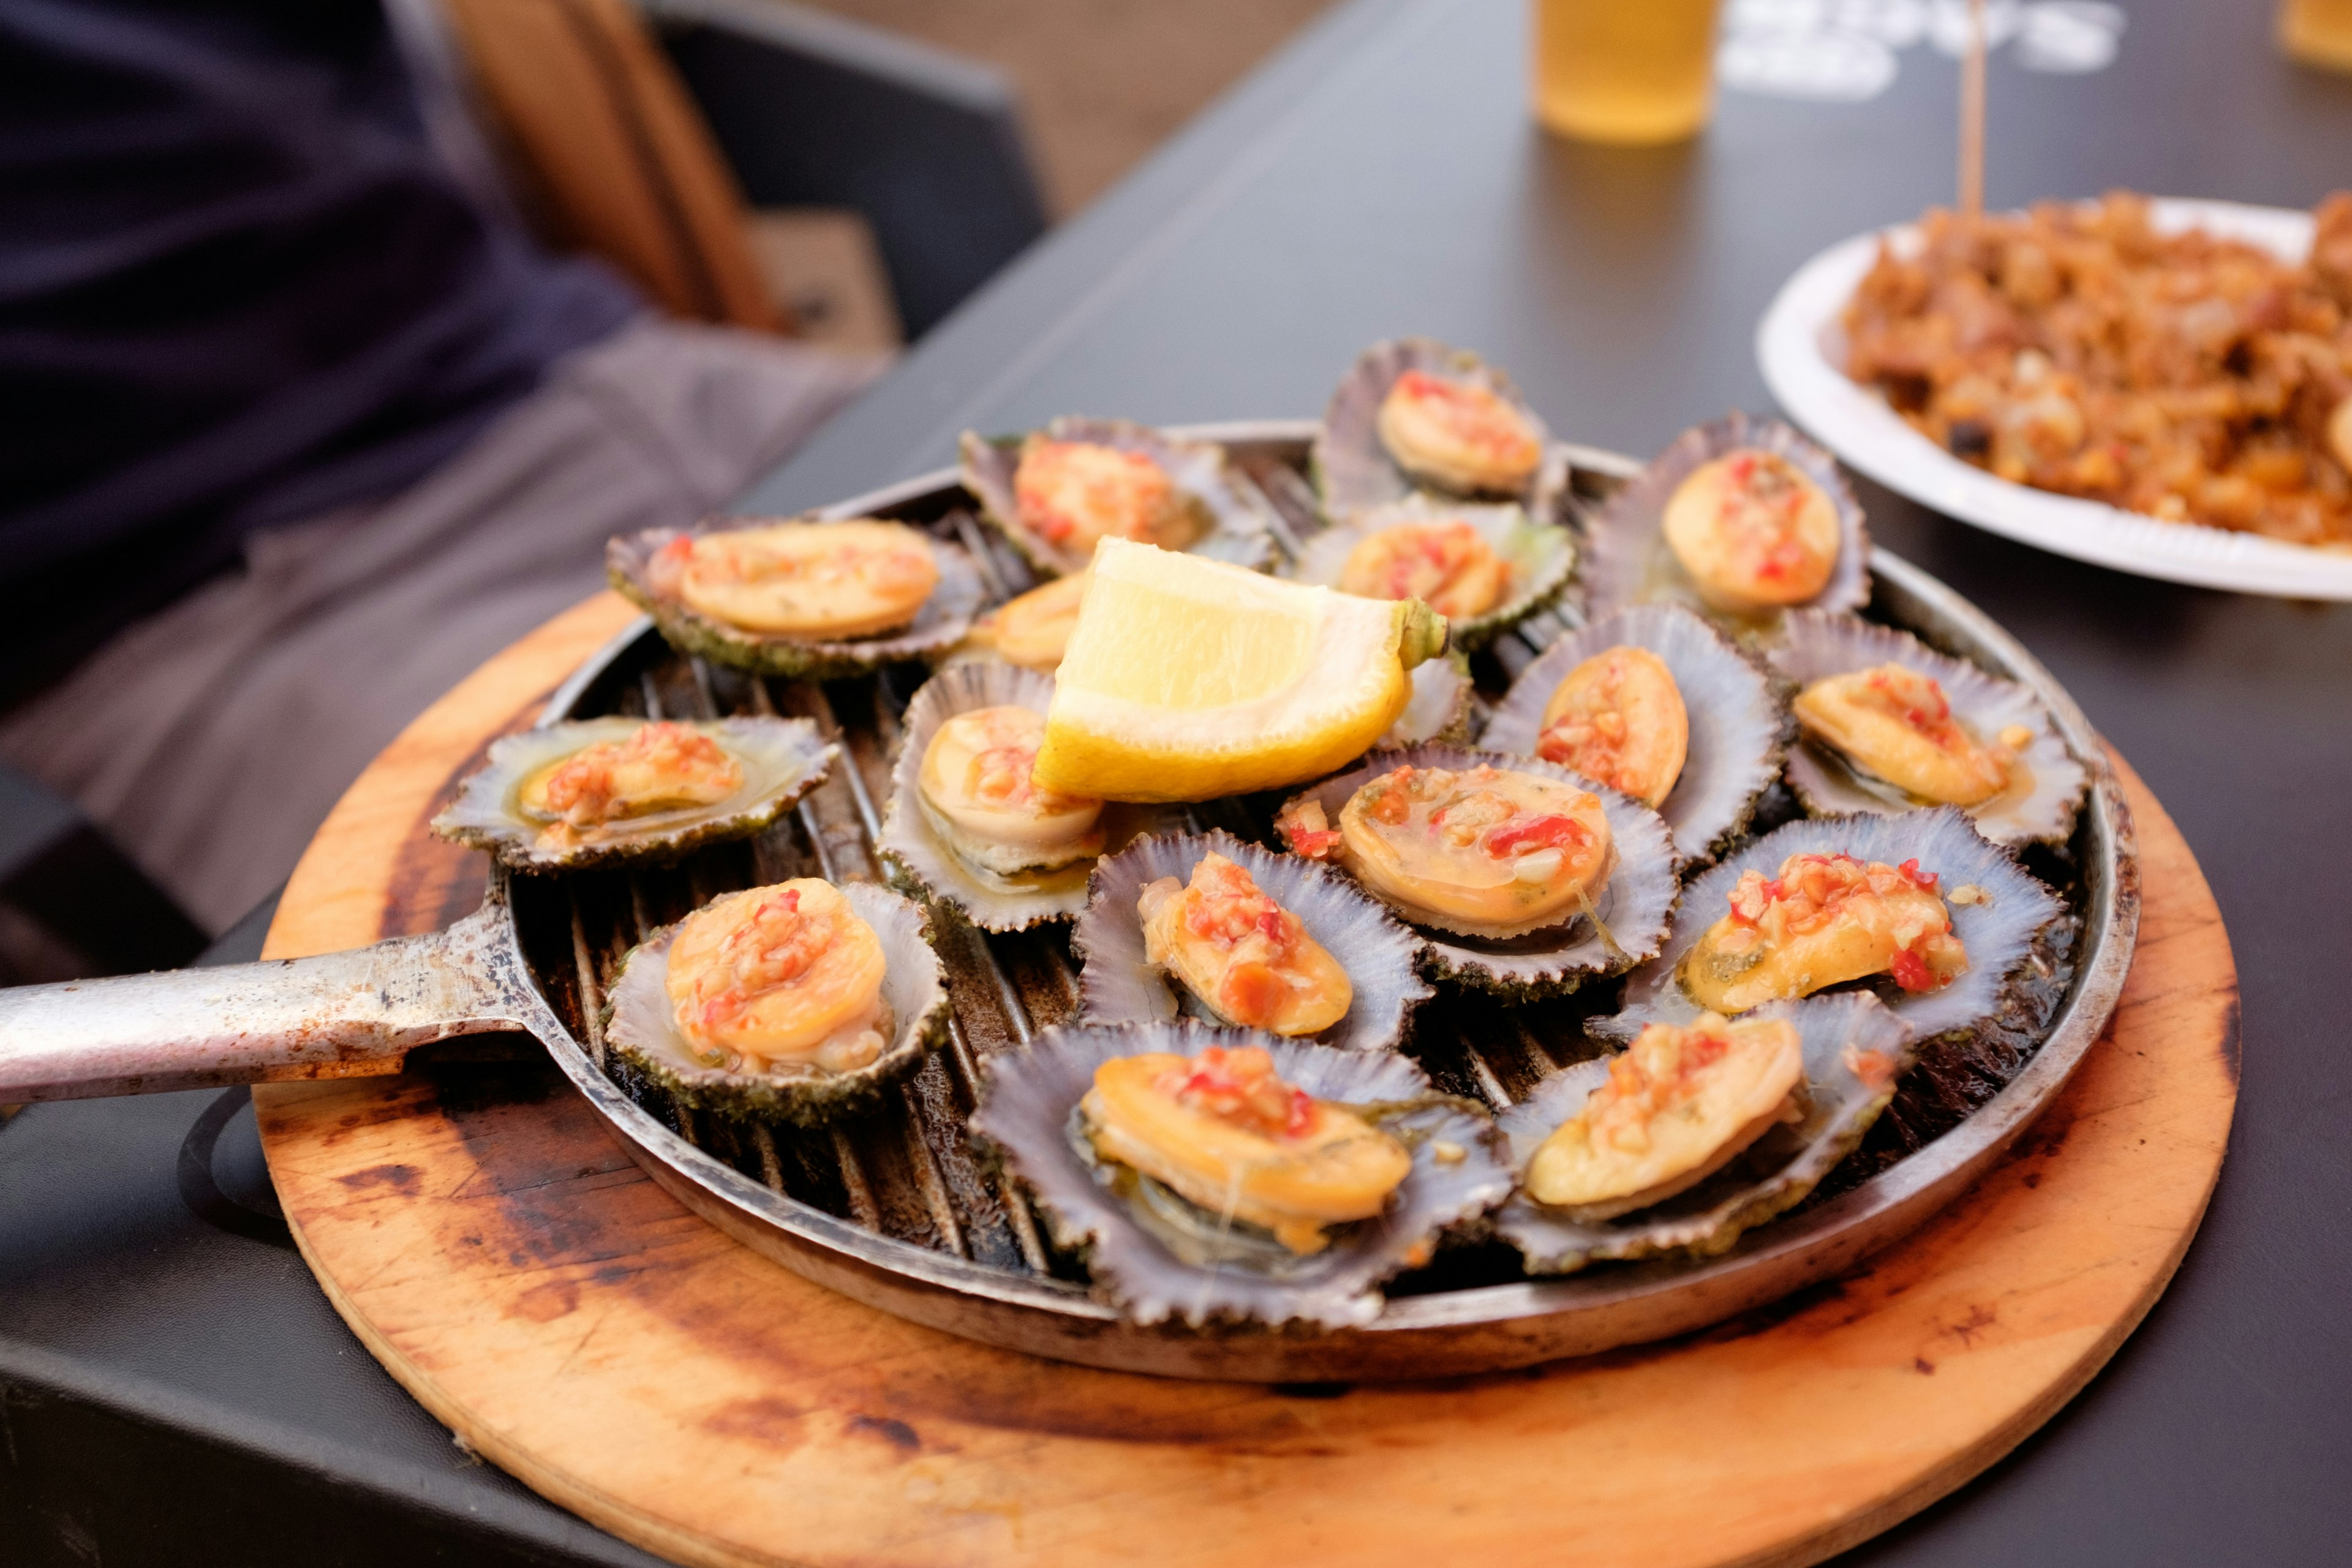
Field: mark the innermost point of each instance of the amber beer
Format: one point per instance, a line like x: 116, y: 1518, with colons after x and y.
x: 2318, y: 31
x: 1627, y: 71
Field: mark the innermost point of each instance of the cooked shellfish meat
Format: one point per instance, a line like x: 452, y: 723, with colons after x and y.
x: 1823, y: 920
x: 1618, y: 719
x: 978, y: 775
x: 1247, y: 958
x: 1895, y: 723
x: 1446, y: 563
x: 1678, y: 1105
x: 1225, y: 1133
x: 1033, y: 630
x: 1460, y: 434
x: 813, y: 580
x: 788, y: 974
x: 661, y: 766
x: 1475, y: 847
x: 1075, y: 494
x: 1753, y: 531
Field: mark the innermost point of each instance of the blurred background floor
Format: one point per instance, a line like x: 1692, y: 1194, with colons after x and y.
x: 1102, y: 82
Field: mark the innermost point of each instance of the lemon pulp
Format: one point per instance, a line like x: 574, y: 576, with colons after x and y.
x: 1188, y: 678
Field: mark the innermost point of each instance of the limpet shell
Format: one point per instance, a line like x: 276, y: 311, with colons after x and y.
x: 918, y: 857
x: 1628, y: 562
x: 641, y: 1028
x: 1352, y: 469
x: 1027, y: 1114
x: 1118, y: 984
x: 782, y: 759
x: 1241, y: 525
x: 1440, y: 708
x: 938, y: 626
x: 1541, y: 556
x: 1770, y: 1176
x: 1637, y: 906
x: 1737, y: 725
x: 1815, y: 645
x: 1998, y: 930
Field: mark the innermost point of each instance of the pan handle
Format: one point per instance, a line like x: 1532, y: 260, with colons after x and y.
x: 341, y: 1015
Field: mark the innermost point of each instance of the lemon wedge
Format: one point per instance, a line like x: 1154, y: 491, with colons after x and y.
x: 1188, y: 678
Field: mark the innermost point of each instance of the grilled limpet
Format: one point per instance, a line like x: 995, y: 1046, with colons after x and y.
x: 967, y: 824
x: 1618, y: 718
x: 1414, y: 416
x: 805, y: 597
x: 1646, y: 696
x: 797, y: 1000
x: 1891, y: 885
x: 1483, y: 567
x: 1821, y: 921
x: 1222, y: 1132
x: 1126, y: 975
x: 1888, y: 723
x: 1032, y: 629
x: 1678, y: 1103
x: 1249, y: 961
x: 1673, y: 1148
x: 975, y: 784
x: 596, y: 791
x: 1458, y: 432
x: 1741, y: 519
x: 1521, y: 877
x: 1481, y: 851
x: 1752, y: 531
x: 1056, y: 493
x: 1228, y: 1174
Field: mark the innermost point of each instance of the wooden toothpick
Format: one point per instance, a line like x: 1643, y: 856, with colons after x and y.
x: 1972, y: 114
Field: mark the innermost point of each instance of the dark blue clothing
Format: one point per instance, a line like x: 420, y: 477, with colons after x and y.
x: 237, y: 288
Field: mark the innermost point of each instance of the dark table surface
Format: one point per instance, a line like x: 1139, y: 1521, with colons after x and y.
x: 173, y: 1387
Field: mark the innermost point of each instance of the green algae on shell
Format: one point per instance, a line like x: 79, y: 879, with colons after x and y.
x: 1997, y: 922
x: 1770, y: 1176
x: 938, y: 625
x: 1628, y: 562
x: 921, y: 850
x: 1235, y: 522
x: 1540, y: 556
x: 1158, y: 1257
x: 1633, y: 912
x: 641, y: 1025
x: 1737, y: 725
x: 2047, y: 782
x: 781, y: 759
x: 1118, y: 983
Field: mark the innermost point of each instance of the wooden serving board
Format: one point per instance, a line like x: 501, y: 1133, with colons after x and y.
x: 513, y: 1268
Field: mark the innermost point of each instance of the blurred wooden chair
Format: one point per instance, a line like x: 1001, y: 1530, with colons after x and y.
x: 660, y: 135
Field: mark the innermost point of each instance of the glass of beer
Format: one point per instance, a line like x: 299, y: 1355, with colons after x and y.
x: 1630, y: 71
x: 2318, y: 32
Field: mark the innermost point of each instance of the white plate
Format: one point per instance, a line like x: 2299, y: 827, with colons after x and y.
x: 1800, y: 345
